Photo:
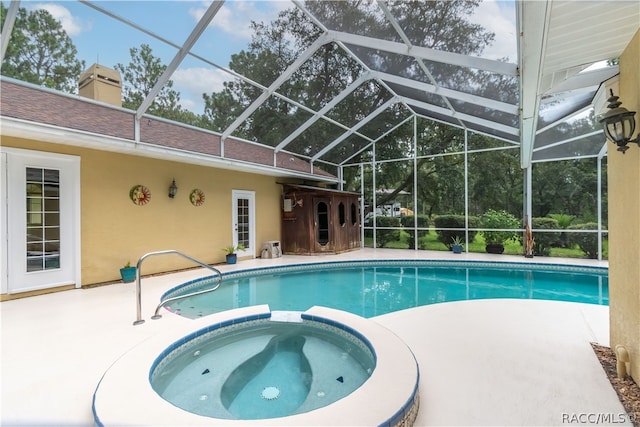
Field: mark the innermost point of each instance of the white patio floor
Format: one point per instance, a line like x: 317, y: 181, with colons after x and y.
x: 484, y: 362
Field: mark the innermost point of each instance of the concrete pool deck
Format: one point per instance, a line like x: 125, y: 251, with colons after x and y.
x: 484, y: 362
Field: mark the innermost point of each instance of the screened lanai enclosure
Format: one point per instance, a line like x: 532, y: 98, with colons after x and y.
x: 450, y: 118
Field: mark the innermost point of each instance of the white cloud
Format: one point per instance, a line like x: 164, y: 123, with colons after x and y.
x: 71, y: 24
x: 234, y: 17
x: 193, y: 82
x: 498, y: 16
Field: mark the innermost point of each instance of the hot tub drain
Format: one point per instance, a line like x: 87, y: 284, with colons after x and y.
x: 270, y: 393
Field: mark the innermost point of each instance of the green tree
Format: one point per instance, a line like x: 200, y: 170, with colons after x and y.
x: 41, y: 52
x: 567, y: 187
x: 140, y: 76
x: 495, y: 182
x: 330, y: 70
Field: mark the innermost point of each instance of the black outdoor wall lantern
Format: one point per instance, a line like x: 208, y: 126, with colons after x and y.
x: 619, y: 124
x: 173, y: 188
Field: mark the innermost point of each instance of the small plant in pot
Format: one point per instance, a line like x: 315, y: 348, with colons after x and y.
x: 231, y: 255
x: 456, y: 246
x: 499, y: 220
x: 128, y: 273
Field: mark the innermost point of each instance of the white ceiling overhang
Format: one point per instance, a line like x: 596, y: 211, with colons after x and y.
x: 558, y: 41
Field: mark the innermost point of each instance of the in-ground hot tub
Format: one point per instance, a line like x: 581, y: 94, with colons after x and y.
x: 263, y: 368
x: 322, y: 366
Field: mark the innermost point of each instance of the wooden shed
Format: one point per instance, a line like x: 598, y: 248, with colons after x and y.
x: 319, y: 220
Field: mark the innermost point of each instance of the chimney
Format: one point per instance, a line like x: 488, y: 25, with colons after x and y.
x: 102, y: 84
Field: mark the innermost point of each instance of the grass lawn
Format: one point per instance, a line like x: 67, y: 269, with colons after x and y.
x: 430, y: 242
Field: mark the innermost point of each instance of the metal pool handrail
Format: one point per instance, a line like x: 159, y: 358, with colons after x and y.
x: 139, y: 319
x: 157, y: 316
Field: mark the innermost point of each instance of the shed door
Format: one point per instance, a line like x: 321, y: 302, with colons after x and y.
x: 323, y: 224
x: 42, y: 220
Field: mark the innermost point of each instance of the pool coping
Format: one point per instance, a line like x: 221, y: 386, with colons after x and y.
x: 124, y: 395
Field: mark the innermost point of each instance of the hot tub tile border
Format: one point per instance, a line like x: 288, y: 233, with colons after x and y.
x: 343, y: 327
x: 406, y: 415
x: 195, y: 337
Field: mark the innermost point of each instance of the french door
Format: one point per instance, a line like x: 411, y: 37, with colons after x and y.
x: 41, y: 206
x: 244, y: 223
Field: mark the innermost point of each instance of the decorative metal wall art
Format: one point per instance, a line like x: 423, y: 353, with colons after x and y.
x: 196, y: 197
x: 139, y: 195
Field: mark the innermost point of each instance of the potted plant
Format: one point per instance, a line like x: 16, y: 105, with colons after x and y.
x: 456, y: 247
x: 128, y: 273
x: 502, y: 222
x: 231, y: 255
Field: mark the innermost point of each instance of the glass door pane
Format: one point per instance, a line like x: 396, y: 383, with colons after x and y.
x: 43, y: 219
x: 243, y: 226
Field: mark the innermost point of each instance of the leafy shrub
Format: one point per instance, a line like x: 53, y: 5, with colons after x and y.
x: 587, y: 242
x: 498, y: 219
x: 385, y: 236
x: 408, y: 223
x: 454, y: 221
x: 544, y: 241
x: 564, y: 221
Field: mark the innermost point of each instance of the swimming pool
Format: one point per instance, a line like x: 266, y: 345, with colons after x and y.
x: 373, y: 288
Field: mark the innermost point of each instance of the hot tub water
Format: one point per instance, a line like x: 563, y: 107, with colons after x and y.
x: 273, y: 383
x: 263, y: 369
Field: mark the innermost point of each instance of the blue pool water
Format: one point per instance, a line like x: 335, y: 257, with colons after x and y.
x: 374, y: 288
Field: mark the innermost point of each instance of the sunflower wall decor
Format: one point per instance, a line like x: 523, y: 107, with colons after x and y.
x: 196, y: 197
x: 139, y: 195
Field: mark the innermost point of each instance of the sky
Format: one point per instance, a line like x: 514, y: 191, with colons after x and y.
x: 104, y: 40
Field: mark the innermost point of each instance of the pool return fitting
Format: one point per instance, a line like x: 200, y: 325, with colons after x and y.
x: 156, y: 315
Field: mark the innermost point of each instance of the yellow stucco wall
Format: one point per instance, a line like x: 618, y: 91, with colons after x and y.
x: 114, y: 230
x: 624, y: 224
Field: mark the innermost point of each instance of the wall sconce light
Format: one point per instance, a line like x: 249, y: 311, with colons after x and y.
x: 619, y: 124
x: 173, y: 188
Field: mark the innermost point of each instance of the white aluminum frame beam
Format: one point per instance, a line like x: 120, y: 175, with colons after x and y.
x: 450, y: 93
x: 426, y: 53
x: 311, y: 50
x: 7, y: 28
x: 366, y: 147
x: 533, y: 17
x: 430, y: 54
x: 184, y: 51
x: 396, y: 25
x: 568, y: 140
x: 128, y: 22
x: 563, y: 119
x: 461, y: 116
x: 354, y: 128
x: 583, y: 80
x: 324, y: 110
x: 172, y: 44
